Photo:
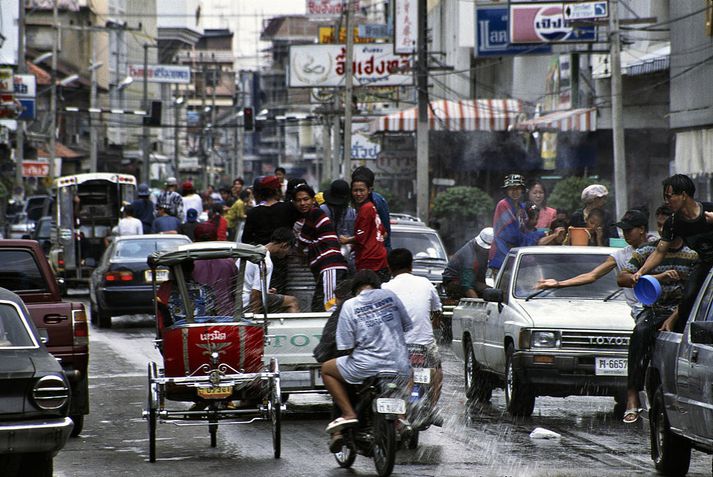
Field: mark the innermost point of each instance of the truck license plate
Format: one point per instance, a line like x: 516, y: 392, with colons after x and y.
x: 422, y: 375
x: 390, y: 406
x: 161, y: 276
x: 610, y: 366
x: 219, y: 392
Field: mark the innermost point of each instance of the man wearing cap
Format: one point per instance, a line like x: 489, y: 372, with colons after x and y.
x: 508, y: 220
x: 336, y: 205
x: 464, y: 276
x: 190, y: 199
x: 594, y: 197
x: 171, y: 198
x: 269, y: 214
x: 634, y: 224
x: 143, y: 208
x: 671, y: 273
x: 188, y: 228
x: 165, y: 223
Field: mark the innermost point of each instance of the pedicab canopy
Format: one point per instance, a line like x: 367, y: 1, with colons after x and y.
x: 207, y: 251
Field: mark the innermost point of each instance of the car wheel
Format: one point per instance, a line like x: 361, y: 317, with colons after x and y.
x: 476, y: 382
x: 78, y: 421
x: 671, y: 453
x: 103, y: 318
x: 519, y: 398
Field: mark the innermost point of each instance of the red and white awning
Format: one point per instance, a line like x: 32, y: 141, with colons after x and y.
x: 582, y: 120
x: 460, y: 115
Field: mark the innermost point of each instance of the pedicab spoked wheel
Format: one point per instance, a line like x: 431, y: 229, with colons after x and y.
x: 152, y: 407
x: 274, y: 409
x: 384, y: 445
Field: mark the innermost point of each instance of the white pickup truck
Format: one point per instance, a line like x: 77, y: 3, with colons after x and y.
x: 556, y: 342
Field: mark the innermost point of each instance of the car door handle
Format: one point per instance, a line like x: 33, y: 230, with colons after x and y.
x: 694, y: 355
x: 52, y: 319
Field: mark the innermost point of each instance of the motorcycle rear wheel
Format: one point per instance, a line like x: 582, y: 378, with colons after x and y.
x: 384, y: 445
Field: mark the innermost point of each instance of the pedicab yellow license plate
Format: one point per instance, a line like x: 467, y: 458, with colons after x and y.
x: 610, y: 366
x: 219, y: 392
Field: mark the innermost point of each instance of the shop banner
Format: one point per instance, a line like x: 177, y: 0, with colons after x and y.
x: 545, y: 23
x: 493, y: 38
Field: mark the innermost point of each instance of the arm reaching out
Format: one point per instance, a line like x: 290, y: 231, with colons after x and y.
x: 585, y: 278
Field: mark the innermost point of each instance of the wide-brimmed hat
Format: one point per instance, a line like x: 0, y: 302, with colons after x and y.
x: 633, y: 218
x: 514, y: 180
x: 339, y: 193
x: 594, y: 191
x: 485, y: 238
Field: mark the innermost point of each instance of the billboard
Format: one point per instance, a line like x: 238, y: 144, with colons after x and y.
x: 161, y: 73
x: 328, y: 8
x: 317, y: 66
x: 545, y: 23
x: 493, y: 37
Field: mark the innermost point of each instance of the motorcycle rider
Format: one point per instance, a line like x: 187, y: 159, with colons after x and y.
x: 372, y: 327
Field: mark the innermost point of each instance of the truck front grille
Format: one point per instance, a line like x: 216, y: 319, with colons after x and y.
x: 600, y: 340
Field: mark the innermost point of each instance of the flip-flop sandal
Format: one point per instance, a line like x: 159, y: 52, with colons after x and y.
x: 631, y: 416
x: 340, y: 423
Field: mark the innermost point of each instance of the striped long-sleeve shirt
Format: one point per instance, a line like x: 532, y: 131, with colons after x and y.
x: 320, y: 239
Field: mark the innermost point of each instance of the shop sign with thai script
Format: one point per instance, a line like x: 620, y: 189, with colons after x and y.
x: 161, y: 73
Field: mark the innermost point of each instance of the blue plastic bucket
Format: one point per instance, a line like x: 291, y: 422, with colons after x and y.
x: 647, y: 290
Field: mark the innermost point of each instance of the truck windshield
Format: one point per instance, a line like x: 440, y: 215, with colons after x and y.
x: 539, y: 266
x: 20, y: 272
x: 140, y: 249
x: 420, y: 244
x: 13, y: 332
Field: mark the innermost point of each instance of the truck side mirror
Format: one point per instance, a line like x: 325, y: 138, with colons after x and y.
x: 702, y: 332
x: 493, y: 294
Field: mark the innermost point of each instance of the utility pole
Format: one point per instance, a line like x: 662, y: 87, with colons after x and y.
x: 422, y: 124
x: 146, y: 167
x: 337, y: 137
x: 177, y: 102
x: 617, y: 114
x: 93, y: 123
x: 20, y: 132
x: 53, y: 97
x: 203, y: 126
x: 348, y: 78
x: 327, y: 174
x: 212, y: 123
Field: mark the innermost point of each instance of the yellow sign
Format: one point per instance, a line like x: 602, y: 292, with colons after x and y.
x: 326, y: 36
x: 220, y: 392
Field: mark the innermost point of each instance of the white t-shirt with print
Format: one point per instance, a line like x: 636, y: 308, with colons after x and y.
x: 252, y: 277
x: 420, y: 298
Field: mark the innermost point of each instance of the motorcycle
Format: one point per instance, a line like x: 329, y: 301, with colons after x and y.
x: 378, y: 402
x: 421, y: 410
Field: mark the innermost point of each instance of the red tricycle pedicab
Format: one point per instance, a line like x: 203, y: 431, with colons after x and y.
x: 213, y: 361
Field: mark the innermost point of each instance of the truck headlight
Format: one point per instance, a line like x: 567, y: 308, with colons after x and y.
x: 545, y: 339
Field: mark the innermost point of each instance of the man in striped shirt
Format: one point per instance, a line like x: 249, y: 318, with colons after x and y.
x: 315, y: 232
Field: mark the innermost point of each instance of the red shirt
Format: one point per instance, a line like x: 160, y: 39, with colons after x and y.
x: 369, y: 236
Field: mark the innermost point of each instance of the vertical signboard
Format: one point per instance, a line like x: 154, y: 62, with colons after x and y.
x: 405, y: 26
x: 25, y: 87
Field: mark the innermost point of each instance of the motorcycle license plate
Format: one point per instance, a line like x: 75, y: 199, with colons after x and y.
x: 610, y: 366
x: 161, y: 276
x: 390, y: 406
x: 218, y: 392
x: 422, y: 375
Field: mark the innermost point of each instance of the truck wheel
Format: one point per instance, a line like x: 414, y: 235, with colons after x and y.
x: 671, y: 453
x: 477, y: 386
x: 78, y: 421
x: 519, y: 398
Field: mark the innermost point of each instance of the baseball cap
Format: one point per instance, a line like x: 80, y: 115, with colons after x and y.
x: 187, y: 186
x: 191, y: 215
x: 632, y: 218
x: 143, y: 190
x: 594, y: 191
x: 485, y: 238
x: 270, y: 182
x: 171, y: 181
x: 513, y: 180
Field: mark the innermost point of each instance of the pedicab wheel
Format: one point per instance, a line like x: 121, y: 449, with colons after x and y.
x: 384, y: 445
x: 345, y: 457
x: 274, y: 407
x: 152, y: 405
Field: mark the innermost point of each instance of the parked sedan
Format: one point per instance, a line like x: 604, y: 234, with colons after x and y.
x: 34, y: 395
x: 121, y: 284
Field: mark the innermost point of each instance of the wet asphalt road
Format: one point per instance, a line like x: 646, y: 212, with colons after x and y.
x: 480, y: 441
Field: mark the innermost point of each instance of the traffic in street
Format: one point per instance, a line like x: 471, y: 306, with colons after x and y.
x: 476, y: 440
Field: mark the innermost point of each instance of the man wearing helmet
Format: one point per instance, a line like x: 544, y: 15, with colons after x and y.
x: 508, y: 220
x: 464, y: 276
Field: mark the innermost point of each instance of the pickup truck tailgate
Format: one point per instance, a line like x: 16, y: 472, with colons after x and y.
x: 293, y: 337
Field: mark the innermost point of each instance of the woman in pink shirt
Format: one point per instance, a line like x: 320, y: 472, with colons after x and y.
x: 538, y: 195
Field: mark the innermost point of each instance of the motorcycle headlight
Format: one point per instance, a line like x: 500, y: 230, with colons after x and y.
x: 545, y: 339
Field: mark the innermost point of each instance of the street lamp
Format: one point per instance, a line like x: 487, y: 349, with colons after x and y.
x: 124, y: 83
x: 42, y: 57
x: 177, y: 102
x: 68, y: 80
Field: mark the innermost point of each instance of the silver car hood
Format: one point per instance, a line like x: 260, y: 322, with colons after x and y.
x: 564, y: 313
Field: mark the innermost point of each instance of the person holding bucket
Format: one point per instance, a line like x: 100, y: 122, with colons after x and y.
x: 660, y: 293
x: 634, y: 225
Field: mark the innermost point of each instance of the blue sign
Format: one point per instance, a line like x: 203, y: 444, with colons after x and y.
x: 28, y: 109
x: 493, y: 35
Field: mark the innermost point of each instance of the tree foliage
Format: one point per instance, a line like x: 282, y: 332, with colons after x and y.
x: 567, y: 194
x: 464, y: 203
